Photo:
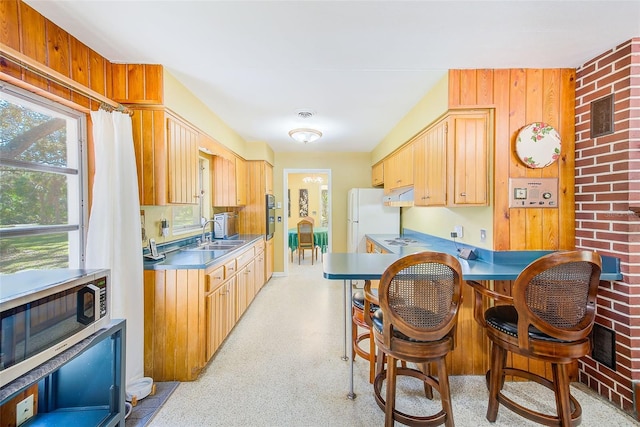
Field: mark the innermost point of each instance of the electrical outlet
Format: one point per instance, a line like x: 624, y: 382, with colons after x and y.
x: 483, y: 235
x: 24, y: 410
x: 458, y: 230
x: 454, y: 234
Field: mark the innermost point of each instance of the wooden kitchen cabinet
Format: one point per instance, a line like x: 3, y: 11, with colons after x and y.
x: 269, y: 262
x: 430, y: 166
x: 224, y: 181
x: 166, y: 151
x: 398, y: 168
x: 241, y: 182
x: 470, y: 135
x: 182, y: 160
x: 189, y: 313
x: 377, y: 174
x: 268, y: 178
x: 260, y: 267
x: 221, y: 315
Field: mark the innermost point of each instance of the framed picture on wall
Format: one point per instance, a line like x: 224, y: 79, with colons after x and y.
x: 304, y: 202
x: 289, y: 202
x: 602, y: 116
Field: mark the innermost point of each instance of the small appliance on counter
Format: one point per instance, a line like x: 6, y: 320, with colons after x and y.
x: 225, y: 225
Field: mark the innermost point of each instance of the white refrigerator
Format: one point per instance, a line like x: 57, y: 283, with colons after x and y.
x: 367, y: 215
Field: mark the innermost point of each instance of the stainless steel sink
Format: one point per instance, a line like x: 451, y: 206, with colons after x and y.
x: 225, y: 243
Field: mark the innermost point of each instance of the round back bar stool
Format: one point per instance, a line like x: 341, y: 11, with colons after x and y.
x: 419, y: 297
x: 359, y: 307
x: 549, y: 317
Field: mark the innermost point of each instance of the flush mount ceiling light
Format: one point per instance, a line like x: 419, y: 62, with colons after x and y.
x: 305, y: 135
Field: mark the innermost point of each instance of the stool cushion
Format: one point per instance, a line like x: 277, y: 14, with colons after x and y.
x: 505, y: 319
x: 358, y: 302
x: 377, y: 320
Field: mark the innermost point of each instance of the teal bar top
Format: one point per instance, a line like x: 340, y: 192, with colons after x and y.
x: 490, y: 265
x: 176, y: 258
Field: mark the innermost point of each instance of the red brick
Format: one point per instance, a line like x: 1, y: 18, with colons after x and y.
x: 608, y: 81
x: 601, y: 93
x: 612, y: 177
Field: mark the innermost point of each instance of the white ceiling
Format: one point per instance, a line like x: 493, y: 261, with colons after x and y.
x: 359, y: 65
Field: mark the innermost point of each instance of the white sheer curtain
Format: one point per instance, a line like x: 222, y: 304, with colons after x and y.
x: 114, y: 237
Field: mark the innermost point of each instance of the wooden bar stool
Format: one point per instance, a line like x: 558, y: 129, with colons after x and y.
x: 359, y: 307
x: 419, y: 297
x: 549, y: 317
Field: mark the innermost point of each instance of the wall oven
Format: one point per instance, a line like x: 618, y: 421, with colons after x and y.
x: 270, y: 215
x: 44, y: 312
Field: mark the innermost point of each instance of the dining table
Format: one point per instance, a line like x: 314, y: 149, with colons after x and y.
x: 320, y: 239
x: 494, y: 265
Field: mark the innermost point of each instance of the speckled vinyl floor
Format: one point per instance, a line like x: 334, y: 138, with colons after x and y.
x: 282, y: 366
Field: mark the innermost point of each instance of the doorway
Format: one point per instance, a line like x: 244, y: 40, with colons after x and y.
x: 307, y: 192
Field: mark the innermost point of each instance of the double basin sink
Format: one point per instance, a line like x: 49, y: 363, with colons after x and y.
x: 218, y: 247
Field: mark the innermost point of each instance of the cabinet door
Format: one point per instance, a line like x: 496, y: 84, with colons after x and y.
x: 241, y: 182
x: 377, y: 174
x: 260, y: 271
x: 430, y: 167
x: 268, y: 178
x: 242, y: 294
x: 398, y: 169
x: 151, y: 155
x: 468, y: 144
x: 182, y: 144
x: 269, y: 261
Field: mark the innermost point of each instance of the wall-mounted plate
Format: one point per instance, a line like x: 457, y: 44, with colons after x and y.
x: 538, y: 145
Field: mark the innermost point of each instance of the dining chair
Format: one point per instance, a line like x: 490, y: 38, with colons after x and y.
x: 419, y: 297
x: 305, y: 239
x: 548, y: 317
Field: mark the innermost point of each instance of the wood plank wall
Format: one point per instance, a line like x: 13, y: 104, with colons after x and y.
x: 22, y: 28
x: 520, y: 97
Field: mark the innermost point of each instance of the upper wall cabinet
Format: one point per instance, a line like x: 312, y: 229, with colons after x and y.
x: 398, y: 169
x: 166, y: 150
x: 430, y: 166
x: 268, y: 178
x: 241, y: 182
x: 470, y: 135
x: 377, y: 174
x: 137, y: 83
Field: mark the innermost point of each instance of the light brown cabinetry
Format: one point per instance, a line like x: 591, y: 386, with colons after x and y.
x: 241, y: 182
x: 166, y: 150
x: 260, y: 268
x: 398, y: 169
x: 224, y: 181
x: 189, y: 313
x: 182, y: 142
x: 269, y: 262
x: 469, y: 140
x: 268, y: 178
x: 430, y: 166
x: 377, y: 174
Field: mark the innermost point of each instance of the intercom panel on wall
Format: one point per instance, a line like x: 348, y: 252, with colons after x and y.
x: 533, y: 192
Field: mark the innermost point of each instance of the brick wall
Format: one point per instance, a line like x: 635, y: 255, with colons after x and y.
x: 607, y: 202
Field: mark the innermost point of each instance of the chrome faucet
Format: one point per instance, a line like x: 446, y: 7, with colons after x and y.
x: 204, y: 226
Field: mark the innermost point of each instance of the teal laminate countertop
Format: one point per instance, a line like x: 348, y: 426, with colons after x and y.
x: 176, y: 258
x: 490, y: 265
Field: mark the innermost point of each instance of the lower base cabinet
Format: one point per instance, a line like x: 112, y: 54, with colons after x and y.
x: 189, y: 313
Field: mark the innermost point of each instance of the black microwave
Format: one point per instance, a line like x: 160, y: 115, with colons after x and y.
x: 44, y: 312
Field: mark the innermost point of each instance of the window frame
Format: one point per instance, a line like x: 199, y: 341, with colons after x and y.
x: 77, y: 246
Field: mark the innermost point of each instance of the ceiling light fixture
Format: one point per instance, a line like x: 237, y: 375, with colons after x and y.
x: 305, y: 135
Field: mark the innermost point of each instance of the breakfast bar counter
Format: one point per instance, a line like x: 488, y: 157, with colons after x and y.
x: 489, y: 265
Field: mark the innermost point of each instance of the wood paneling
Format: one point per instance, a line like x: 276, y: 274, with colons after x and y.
x: 520, y: 97
x: 137, y: 83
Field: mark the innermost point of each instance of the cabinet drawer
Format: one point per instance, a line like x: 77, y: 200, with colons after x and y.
x: 245, y: 258
x: 230, y: 268
x: 214, y: 279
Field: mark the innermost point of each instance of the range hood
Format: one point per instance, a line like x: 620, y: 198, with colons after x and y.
x: 401, y: 197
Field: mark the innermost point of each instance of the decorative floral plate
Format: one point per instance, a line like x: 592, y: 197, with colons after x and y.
x: 538, y: 145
